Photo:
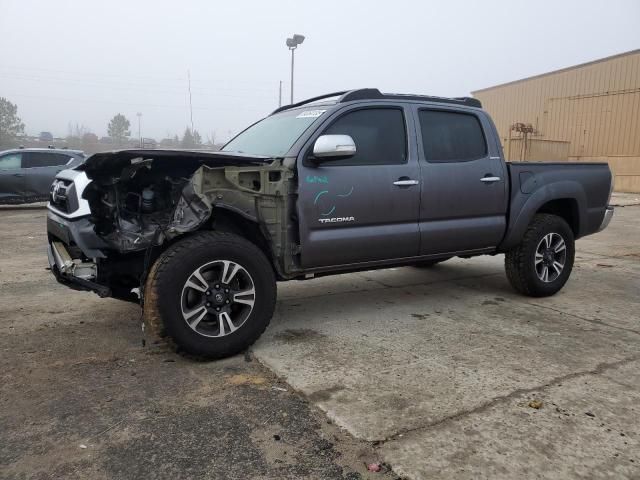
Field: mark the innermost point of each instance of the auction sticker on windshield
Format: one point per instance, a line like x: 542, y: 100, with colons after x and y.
x: 310, y: 114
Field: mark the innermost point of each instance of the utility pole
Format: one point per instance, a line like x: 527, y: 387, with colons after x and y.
x: 293, y: 51
x: 190, y: 104
x: 139, y: 115
x: 280, y: 95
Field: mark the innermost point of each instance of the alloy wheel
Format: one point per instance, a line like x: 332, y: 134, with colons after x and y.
x: 550, y: 258
x: 218, y: 298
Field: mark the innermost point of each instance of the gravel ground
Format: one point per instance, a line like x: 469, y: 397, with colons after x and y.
x: 81, y: 398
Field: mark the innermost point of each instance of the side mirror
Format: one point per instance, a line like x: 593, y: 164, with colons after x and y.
x: 329, y: 147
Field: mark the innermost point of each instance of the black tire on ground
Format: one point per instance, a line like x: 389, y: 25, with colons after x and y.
x: 430, y: 263
x: 166, y: 285
x: 524, y: 269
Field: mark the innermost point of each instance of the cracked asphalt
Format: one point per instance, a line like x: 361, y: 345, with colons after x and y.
x: 80, y: 398
x: 439, y: 373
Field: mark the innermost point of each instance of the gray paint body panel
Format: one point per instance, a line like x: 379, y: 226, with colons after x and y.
x: 458, y: 211
x: 586, y: 184
x: 381, y: 218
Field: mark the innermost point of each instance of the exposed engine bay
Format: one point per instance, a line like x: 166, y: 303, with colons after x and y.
x: 143, y: 199
x: 144, y: 206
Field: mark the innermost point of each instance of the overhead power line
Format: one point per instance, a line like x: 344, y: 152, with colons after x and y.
x: 211, y: 90
x: 246, y: 107
x: 108, y: 78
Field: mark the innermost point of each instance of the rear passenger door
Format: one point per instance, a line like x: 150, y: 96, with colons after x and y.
x: 11, y: 178
x: 464, y: 193
x: 362, y: 208
x: 41, y: 168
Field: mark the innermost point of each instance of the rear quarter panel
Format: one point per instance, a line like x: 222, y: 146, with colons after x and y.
x: 534, y: 184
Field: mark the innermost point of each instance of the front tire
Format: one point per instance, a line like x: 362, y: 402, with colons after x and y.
x: 214, y: 294
x: 542, y: 263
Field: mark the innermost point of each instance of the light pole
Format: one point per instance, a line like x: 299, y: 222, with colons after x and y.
x: 293, y: 43
x: 139, y: 114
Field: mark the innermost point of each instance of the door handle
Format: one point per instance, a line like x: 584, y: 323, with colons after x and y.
x: 490, y: 179
x: 406, y: 183
x: 18, y: 174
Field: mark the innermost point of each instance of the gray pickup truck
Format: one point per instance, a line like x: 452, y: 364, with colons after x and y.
x: 348, y: 181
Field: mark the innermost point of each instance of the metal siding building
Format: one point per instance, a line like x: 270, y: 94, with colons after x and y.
x: 589, y: 112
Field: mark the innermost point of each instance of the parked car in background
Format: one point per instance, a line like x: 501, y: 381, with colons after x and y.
x: 45, y: 137
x: 26, y: 174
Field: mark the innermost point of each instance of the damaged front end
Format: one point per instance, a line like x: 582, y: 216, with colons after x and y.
x: 141, y: 200
x: 145, y: 205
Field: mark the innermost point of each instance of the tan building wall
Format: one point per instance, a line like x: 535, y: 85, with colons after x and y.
x: 590, y: 111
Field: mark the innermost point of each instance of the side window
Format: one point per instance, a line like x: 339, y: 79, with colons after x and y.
x: 63, y: 159
x: 451, y: 136
x: 44, y: 159
x: 11, y: 161
x: 379, y: 135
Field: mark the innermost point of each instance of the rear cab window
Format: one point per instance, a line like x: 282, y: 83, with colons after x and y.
x: 449, y: 136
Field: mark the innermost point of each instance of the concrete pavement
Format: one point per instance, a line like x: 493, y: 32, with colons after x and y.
x: 438, y: 366
x: 433, y: 371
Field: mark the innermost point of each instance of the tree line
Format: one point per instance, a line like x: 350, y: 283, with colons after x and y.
x: 118, y: 130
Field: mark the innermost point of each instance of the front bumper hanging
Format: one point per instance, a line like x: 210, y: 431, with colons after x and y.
x: 74, y: 273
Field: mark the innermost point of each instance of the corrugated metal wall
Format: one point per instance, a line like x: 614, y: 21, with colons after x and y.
x: 595, y: 107
x: 537, y: 150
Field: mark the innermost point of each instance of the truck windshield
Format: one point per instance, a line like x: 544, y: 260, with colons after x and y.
x: 274, y: 135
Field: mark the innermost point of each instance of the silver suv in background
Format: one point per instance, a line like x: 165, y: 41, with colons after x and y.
x: 26, y: 174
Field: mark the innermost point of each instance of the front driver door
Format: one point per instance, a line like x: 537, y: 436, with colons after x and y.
x: 362, y: 208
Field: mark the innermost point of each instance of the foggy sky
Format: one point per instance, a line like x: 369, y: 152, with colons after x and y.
x: 84, y: 61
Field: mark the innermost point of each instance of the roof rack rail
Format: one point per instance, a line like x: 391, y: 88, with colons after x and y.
x: 375, y: 94
x: 361, y: 94
x: 308, y: 100
x: 466, y: 101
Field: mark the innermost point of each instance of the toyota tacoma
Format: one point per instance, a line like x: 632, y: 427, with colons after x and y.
x: 347, y: 181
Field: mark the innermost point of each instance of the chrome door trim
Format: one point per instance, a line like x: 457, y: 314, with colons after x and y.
x: 406, y: 183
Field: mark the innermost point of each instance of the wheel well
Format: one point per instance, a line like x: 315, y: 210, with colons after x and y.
x: 566, y: 208
x: 223, y: 220
x: 123, y: 272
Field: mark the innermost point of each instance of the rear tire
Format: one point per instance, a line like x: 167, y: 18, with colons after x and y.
x: 213, y: 293
x: 542, y: 263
